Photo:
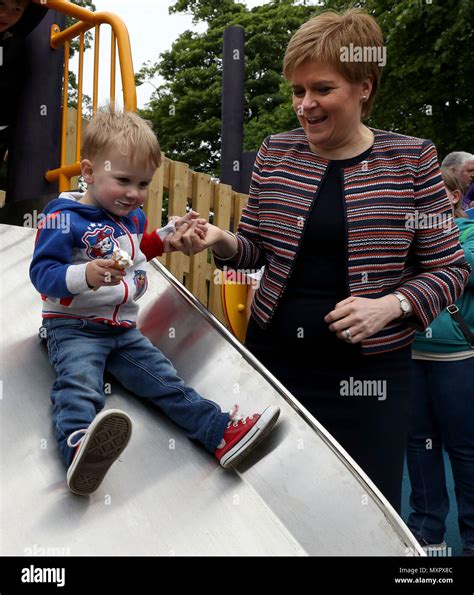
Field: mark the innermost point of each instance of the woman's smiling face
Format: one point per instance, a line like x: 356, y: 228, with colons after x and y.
x: 328, y: 106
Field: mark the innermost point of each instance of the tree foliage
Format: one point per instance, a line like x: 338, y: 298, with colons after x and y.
x: 424, y: 92
x: 74, y: 47
x: 186, y: 109
x: 426, y: 87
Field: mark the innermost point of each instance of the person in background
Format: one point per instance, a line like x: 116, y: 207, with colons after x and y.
x: 349, y: 275
x: 442, y: 414
x: 17, y: 19
x: 461, y: 164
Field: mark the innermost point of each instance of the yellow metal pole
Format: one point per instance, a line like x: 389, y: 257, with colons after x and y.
x: 120, y: 43
x: 113, y: 56
x: 95, y: 95
x: 65, y: 103
x: 79, y: 98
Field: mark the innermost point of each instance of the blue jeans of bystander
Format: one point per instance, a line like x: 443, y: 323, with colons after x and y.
x: 442, y: 416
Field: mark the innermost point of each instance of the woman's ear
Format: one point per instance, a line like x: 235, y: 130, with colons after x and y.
x: 87, y: 171
x: 367, y: 85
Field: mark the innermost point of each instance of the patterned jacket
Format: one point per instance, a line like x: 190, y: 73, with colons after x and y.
x: 400, y: 231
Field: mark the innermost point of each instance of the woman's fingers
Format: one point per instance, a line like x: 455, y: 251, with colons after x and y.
x: 338, y: 313
x: 186, y: 240
x: 193, y: 242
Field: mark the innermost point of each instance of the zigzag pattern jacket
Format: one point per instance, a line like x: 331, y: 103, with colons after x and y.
x: 400, y: 233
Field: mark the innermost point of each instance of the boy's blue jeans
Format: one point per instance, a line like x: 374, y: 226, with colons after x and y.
x: 442, y: 415
x: 80, y: 351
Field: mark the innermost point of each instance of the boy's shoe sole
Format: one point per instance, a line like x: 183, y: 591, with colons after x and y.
x: 254, y: 436
x: 105, y: 440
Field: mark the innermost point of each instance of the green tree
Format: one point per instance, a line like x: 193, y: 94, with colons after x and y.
x: 425, y: 85
x: 186, y: 109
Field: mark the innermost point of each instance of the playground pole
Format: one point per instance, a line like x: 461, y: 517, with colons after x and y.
x: 35, y: 146
x: 232, y: 138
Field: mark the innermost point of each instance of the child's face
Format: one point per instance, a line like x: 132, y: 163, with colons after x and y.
x: 114, y: 184
x: 11, y: 12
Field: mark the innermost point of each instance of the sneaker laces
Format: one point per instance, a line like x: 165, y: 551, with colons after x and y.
x: 76, y: 433
x: 236, y: 417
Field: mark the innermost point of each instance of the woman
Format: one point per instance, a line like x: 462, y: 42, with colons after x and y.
x: 443, y: 408
x: 347, y: 277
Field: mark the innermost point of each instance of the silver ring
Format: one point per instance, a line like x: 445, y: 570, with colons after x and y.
x: 347, y: 334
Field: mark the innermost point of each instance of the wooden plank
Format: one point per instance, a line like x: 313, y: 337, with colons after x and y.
x: 178, y: 189
x: 166, y: 174
x: 222, y: 211
x: 201, y: 201
x: 154, y: 202
x: 71, y: 134
x: 240, y: 200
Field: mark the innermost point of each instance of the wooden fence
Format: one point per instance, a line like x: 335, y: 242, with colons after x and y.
x: 187, y: 188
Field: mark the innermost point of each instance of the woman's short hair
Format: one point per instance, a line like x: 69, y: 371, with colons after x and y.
x: 452, y: 183
x: 124, y: 132
x: 351, y: 42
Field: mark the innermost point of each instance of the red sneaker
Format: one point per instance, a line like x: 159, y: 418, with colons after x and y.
x: 242, y: 434
x: 102, y: 443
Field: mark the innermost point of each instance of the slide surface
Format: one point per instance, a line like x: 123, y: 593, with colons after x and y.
x: 297, y: 494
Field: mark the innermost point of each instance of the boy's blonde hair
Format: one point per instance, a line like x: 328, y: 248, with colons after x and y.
x: 323, y: 38
x: 452, y: 183
x: 124, y: 132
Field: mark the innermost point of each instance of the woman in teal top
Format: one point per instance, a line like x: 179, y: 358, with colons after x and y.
x: 443, y: 409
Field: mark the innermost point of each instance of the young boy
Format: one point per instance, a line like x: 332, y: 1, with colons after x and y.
x: 90, y: 308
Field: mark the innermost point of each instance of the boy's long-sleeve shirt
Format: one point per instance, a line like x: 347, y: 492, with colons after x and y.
x: 69, y: 236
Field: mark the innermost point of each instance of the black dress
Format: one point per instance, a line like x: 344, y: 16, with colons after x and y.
x: 361, y: 400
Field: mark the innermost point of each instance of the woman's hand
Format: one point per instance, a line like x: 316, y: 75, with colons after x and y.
x: 194, y: 237
x: 100, y: 272
x: 357, y: 318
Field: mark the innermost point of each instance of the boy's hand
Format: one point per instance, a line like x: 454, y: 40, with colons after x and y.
x: 100, y: 273
x: 188, y: 218
x: 199, y: 226
x: 194, y: 237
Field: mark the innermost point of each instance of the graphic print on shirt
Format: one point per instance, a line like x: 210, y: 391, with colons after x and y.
x: 141, y: 284
x: 100, y: 241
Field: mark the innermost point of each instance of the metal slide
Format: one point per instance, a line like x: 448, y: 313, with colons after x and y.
x: 297, y: 494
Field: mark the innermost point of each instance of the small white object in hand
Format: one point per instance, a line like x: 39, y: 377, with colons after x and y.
x: 167, y: 229
x: 122, y: 259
